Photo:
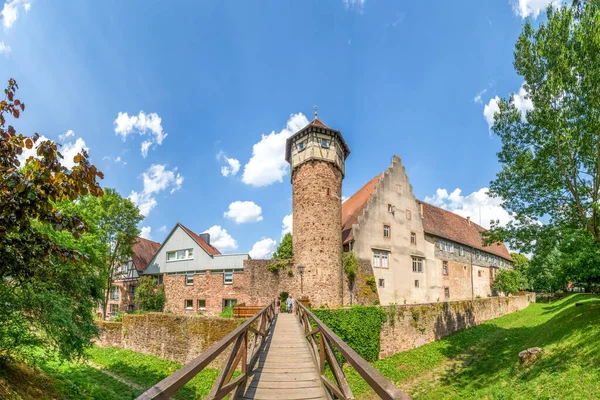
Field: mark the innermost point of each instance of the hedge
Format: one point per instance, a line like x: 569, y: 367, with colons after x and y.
x: 358, y: 326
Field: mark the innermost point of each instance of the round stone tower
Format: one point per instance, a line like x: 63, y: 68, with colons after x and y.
x: 316, y: 155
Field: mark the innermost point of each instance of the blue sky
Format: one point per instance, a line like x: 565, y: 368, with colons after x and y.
x: 166, y: 94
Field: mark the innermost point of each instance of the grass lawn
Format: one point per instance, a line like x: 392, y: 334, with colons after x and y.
x: 483, y: 362
x: 76, y: 380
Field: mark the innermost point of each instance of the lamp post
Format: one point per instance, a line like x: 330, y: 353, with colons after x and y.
x: 301, y: 272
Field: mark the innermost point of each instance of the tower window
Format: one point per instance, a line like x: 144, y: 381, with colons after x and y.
x: 301, y: 146
x: 325, y: 143
x: 390, y: 208
x: 479, y: 273
x: 381, y: 283
x: 327, y: 191
x: 413, y: 238
x: 386, y: 231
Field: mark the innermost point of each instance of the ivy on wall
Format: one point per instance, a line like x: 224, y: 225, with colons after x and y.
x: 358, y: 326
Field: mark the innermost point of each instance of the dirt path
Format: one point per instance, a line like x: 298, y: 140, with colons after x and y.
x: 115, y: 376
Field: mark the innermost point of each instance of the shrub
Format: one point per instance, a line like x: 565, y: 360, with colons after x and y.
x: 350, y: 266
x: 371, y: 283
x: 275, y: 267
x: 359, y: 327
x: 149, y: 296
x: 227, y: 312
x: 509, y: 281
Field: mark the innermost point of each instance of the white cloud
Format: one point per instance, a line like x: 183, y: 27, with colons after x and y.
x: 355, y: 4
x: 66, y: 135
x: 70, y: 150
x: 287, y: 225
x: 232, y: 167
x: 264, y: 248
x: 490, y: 109
x: 10, y: 11
x: 116, y: 160
x: 244, y: 211
x: 473, y: 205
x: 4, y: 49
x: 268, y: 164
x: 520, y: 100
x: 142, y: 124
x: 221, y: 239
x: 146, y: 232
x: 477, y: 98
x: 525, y: 8
x: 156, y: 179
x: 162, y: 228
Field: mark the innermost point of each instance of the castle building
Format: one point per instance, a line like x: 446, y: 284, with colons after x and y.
x: 317, y: 155
x: 419, y: 253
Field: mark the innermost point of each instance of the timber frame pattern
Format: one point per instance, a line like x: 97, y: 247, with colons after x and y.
x: 320, y: 339
x: 259, y: 325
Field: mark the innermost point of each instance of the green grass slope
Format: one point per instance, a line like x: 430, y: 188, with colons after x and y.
x: 483, y: 362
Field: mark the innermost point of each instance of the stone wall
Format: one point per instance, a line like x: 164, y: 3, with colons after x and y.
x: 410, y: 326
x: 264, y: 286
x: 179, y: 338
x: 362, y: 292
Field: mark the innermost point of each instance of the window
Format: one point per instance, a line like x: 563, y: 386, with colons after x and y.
x: 131, y: 289
x: 465, y: 267
x: 381, y: 259
x: 189, y: 304
x: 447, y: 292
x: 450, y: 247
x: 381, y: 283
x: 114, y: 293
x: 386, y: 231
x: 325, y: 143
x: 398, y: 189
x: 408, y: 215
x: 384, y: 260
x: 390, y: 208
x: 416, y: 283
x: 187, y: 254
x: 125, y: 269
x: 201, y: 304
x: 229, y: 303
x: 445, y: 267
x: 159, y: 280
x: 189, y: 279
x: 479, y: 273
x: 228, y: 278
x: 413, y: 238
x: 417, y: 264
x: 461, y: 251
x: 114, y: 309
x: 301, y: 146
x: 130, y: 308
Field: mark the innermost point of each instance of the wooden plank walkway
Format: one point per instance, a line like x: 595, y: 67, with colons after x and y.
x: 285, y: 369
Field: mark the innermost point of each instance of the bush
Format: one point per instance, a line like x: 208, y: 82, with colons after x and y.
x: 150, y: 296
x: 359, y: 327
x: 227, y: 312
x: 509, y: 281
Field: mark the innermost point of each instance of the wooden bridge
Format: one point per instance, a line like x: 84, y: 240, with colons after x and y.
x: 279, y: 356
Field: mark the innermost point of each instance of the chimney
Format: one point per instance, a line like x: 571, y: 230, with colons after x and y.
x: 205, y: 237
x: 469, y: 220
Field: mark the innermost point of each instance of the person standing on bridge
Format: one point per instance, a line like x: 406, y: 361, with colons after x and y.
x: 290, y: 303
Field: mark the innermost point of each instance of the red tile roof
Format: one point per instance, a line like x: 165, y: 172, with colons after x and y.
x: 436, y: 221
x: 209, y: 248
x: 318, y: 122
x: 143, y: 251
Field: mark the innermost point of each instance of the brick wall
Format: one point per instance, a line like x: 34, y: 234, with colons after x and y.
x: 209, y: 287
x: 416, y: 325
x: 179, y: 338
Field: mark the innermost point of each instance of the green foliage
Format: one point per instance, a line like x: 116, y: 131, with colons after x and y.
x: 283, y: 296
x: 350, y: 266
x: 284, y: 250
x: 149, y: 296
x: 227, y: 312
x: 276, y: 266
x: 47, y: 287
x: 509, y: 281
x: 359, y: 327
x: 371, y: 283
x: 438, y: 370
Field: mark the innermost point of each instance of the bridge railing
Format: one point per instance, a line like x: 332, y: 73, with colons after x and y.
x: 322, y: 341
x: 259, y: 325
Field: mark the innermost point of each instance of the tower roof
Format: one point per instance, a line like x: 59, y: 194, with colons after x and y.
x: 316, y: 125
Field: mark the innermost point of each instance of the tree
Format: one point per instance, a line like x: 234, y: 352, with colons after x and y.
x: 284, y: 250
x: 550, y: 154
x: 46, y: 289
x: 521, y: 264
x: 114, y: 220
x: 150, y: 296
x: 509, y: 281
